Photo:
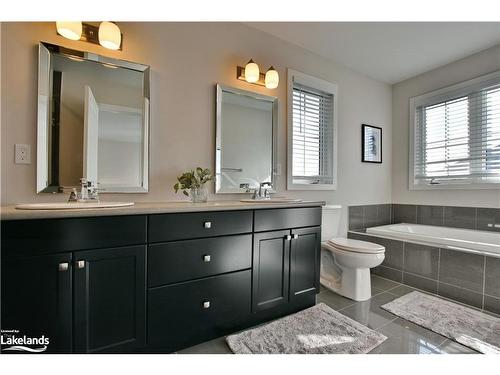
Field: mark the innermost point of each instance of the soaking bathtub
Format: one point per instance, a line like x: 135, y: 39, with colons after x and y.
x: 468, y: 240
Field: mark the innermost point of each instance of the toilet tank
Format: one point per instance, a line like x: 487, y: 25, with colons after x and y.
x: 330, y: 225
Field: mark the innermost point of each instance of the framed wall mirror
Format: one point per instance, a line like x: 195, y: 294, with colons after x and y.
x: 93, y: 122
x: 246, y: 140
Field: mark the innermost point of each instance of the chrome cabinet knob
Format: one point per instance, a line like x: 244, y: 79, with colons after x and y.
x: 288, y: 237
x: 206, y: 258
x: 63, y: 266
x: 295, y: 236
x: 207, y: 224
x: 206, y: 304
x: 80, y: 264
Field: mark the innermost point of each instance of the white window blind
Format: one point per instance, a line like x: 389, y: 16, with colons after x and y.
x: 456, y: 138
x: 312, y: 140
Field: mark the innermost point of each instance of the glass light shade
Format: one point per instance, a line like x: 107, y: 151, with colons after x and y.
x: 252, y: 73
x: 109, y: 35
x: 70, y: 30
x: 272, y: 78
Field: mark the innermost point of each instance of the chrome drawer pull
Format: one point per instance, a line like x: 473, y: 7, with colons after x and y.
x: 80, y: 264
x: 295, y: 236
x: 206, y: 258
x: 288, y: 237
x: 63, y: 266
x: 207, y: 224
x: 206, y: 304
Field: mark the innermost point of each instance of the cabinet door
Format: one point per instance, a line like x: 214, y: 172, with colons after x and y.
x: 271, y: 261
x: 37, y: 299
x: 305, y: 261
x: 109, y: 300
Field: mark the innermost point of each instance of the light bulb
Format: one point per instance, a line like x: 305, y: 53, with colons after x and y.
x: 272, y: 78
x: 109, y: 35
x: 70, y: 30
x: 252, y: 73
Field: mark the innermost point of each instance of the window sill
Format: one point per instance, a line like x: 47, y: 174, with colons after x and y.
x: 485, y: 186
x: 306, y: 187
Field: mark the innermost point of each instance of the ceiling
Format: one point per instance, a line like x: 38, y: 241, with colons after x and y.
x: 388, y: 51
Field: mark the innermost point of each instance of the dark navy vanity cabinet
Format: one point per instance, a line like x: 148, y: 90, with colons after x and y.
x: 158, y: 282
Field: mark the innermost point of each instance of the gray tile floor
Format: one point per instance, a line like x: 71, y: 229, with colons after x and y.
x: 403, y: 337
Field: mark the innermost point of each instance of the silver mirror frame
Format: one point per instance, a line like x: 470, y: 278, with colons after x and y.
x: 43, y: 113
x: 218, y: 136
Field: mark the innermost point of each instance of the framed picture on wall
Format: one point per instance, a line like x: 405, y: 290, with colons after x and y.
x: 371, y: 141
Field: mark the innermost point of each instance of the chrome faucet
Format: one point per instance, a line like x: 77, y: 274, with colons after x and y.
x: 87, y: 193
x: 262, y: 192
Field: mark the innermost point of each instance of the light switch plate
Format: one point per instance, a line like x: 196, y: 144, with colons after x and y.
x: 23, y: 154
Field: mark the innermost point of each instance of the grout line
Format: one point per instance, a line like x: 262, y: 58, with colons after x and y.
x: 484, y: 281
x: 491, y: 296
x: 363, y: 216
x: 419, y: 290
x: 461, y: 287
x: 379, y: 293
x: 475, y: 218
x: 403, y: 264
x: 445, y: 338
x: 457, y: 301
x: 420, y: 276
x: 385, y: 278
x: 394, y: 287
x: 389, y: 322
x: 439, y: 270
x: 346, y: 307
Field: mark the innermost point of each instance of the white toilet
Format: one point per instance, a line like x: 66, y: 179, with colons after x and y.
x: 346, y: 263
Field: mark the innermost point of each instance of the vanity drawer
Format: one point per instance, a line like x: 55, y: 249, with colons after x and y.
x: 284, y: 218
x: 182, y: 226
x: 43, y: 236
x: 186, y: 260
x: 188, y: 313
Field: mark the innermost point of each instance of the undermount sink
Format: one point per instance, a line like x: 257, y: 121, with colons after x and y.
x: 272, y: 200
x: 71, y: 205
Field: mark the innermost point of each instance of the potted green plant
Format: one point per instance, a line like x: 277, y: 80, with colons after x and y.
x: 192, y: 183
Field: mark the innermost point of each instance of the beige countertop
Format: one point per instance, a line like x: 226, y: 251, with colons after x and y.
x: 142, y: 208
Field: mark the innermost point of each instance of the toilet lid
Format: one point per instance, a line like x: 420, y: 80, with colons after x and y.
x: 357, y: 246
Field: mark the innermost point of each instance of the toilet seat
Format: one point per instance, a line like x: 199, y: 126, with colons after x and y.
x: 355, y: 246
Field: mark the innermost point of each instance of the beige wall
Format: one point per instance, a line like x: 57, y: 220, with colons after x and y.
x: 187, y: 60
x: 473, y: 66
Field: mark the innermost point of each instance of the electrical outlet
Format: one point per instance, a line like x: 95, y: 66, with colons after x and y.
x: 23, y: 154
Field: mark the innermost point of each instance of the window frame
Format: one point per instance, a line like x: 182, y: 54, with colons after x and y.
x: 329, y: 88
x: 447, y: 93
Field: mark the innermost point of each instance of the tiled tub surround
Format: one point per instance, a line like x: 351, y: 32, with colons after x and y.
x: 361, y: 217
x: 467, y: 240
x: 473, y: 279
x: 480, y: 218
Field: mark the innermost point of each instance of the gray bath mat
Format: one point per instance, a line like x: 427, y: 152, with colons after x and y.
x: 466, y: 326
x: 316, y: 330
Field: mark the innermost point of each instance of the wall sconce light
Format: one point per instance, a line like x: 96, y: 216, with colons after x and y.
x: 272, y: 78
x: 70, y: 30
x: 107, y: 34
x: 251, y: 74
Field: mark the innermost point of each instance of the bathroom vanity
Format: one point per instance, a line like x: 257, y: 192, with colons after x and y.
x: 156, y: 277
